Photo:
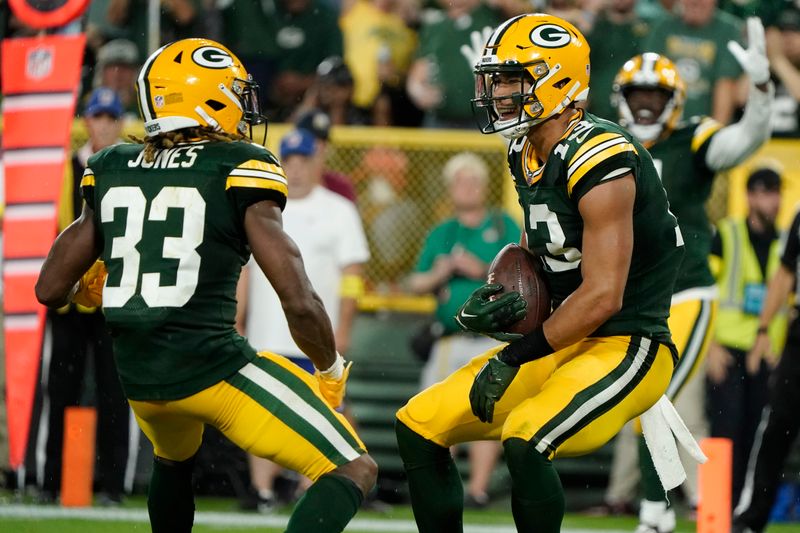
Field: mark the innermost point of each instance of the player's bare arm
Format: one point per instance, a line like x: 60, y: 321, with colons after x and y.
x: 607, y: 212
x: 280, y: 260
x: 242, y: 289
x: 430, y: 281
x: 71, y: 255
x: 348, y: 305
x: 778, y: 290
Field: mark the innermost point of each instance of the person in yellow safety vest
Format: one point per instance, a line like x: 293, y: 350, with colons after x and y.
x: 745, y: 253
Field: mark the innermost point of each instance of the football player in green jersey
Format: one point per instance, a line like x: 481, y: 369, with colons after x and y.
x: 597, y: 217
x: 649, y: 95
x: 174, y: 222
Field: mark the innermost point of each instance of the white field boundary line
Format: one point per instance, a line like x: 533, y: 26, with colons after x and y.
x: 240, y: 520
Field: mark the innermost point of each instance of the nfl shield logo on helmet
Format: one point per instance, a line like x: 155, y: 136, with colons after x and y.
x: 39, y: 63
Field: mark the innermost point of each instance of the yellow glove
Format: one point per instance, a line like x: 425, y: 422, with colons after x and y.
x: 333, y: 389
x: 90, y: 286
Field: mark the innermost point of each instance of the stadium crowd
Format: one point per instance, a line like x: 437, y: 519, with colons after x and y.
x: 408, y: 63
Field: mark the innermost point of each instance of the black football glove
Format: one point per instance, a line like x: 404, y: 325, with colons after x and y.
x: 489, y: 386
x: 490, y: 317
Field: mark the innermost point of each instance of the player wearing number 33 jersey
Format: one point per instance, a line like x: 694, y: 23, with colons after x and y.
x: 174, y: 221
x: 173, y: 248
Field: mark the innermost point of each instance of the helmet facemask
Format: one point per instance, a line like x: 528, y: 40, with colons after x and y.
x: 655, y: 73
x: 645, y: 133
x: 550, y: 57
x: 489, y: 108
x: 248, y: 93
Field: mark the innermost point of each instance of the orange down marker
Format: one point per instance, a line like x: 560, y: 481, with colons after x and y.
x: 714, y: 479
x: 77, y: 472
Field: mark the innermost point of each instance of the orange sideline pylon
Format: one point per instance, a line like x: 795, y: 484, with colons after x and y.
x: 77, y: 470
x: 714, y: 479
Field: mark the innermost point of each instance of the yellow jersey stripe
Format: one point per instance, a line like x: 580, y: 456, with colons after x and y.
x: 707, y: 127
x: 258, y: 174
x: 256, y: 183
x: 595, y: 160
x: 87, y: 180
x: 255, y: 164
x: 577, y: 163
x: 715, y: 264
x: 591, y: 143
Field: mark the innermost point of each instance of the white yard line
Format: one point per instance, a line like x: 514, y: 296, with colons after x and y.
x: 240, y: 520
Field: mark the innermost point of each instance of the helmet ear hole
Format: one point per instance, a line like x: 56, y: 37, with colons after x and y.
x: 215, y: 105
x: 560, y: 84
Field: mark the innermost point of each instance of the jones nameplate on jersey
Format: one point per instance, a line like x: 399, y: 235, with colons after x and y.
x: 182, y: 157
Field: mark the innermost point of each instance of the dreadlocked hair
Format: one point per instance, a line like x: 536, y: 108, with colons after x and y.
x: 171, y: 138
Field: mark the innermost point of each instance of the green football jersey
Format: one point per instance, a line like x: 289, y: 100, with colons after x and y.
x: 680, y: 161
x: 592, y: 151
x: 173, y: 241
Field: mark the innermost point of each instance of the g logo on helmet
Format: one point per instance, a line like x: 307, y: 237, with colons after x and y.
x: 212, y: 57
x: 550, y: 36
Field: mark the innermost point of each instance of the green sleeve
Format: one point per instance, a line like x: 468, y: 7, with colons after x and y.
x: 512, y: 230
x: 257, y: 176
x: 433, y: 247
x: 608, y: 169
x: 93, y: 168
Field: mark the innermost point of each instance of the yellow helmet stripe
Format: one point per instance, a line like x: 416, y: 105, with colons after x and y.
x: 596, y: 159
x: 707, y: 127
x: 144, y: 86
x: 494, y: 40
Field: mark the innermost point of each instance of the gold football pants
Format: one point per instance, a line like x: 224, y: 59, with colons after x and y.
x: 691, y: 321
x: 567, y: 404
x: 270, y: 408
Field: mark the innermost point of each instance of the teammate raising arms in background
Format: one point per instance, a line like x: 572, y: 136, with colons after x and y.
x: 596, y: 214
x: 649, y: 95
x: 174, y: 221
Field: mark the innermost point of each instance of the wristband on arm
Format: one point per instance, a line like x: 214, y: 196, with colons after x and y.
x: 336, y: 370
x: 532, y: 346
x: 351, y: 286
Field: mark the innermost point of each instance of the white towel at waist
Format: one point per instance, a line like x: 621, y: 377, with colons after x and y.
x: 662, y: 425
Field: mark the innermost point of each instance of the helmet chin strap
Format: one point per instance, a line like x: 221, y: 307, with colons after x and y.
x: 521, y: 129
x: 514, y: 132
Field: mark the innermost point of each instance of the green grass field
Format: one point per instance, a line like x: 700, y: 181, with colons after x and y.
x: 214, y: 515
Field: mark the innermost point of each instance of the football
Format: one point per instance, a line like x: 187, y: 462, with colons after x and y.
x: 516, y: 269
